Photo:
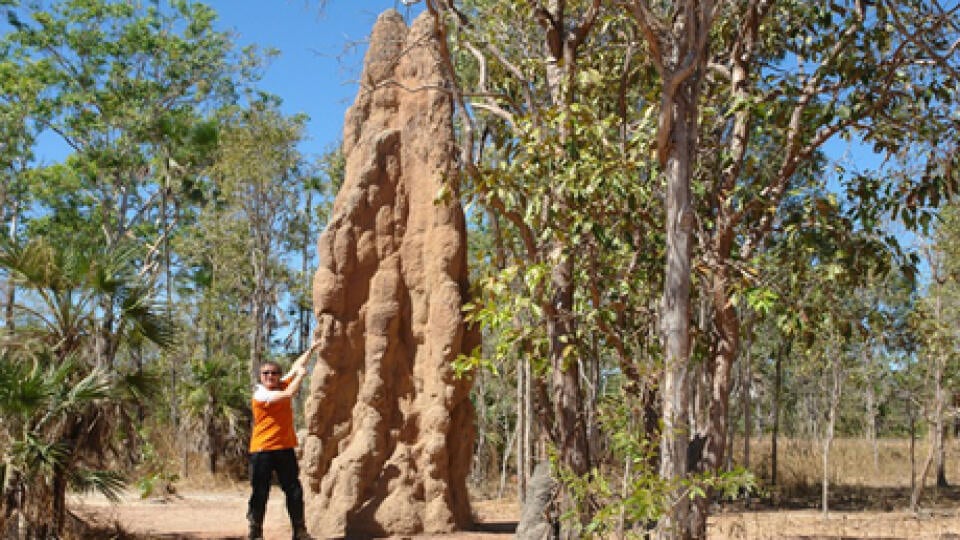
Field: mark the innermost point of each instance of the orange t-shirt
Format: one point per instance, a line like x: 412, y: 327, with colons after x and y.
x: 272, y: 421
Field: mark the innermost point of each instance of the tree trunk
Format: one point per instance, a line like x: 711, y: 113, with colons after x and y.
x: 624, y: 493
x: 505, y: 459
x: 521, y: 430
x: 304, y: 315
x: 570, y: 429
x: 59, y: 498
x: 11, y: 289
x: 918, y: 485
x: 213, y: 435
x: 529, y: 454
x: 934, y: 454
x: 942, y: 456
x: 747, y: 419
x: 701, y: 374
x: 727, y: 344
x: 775, y: 430
x: 913, y: 455
x: 871, y: 421
x: 939, y: 427
x: 676, y: 310
x: 836, y: 373
x: 257, y: 334
x: 482, y: 457
x: 570, y: 417
x: 728, y: 453
x: 825, y: 471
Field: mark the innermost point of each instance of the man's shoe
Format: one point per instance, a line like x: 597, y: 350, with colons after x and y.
x: 300, y: 533
x: 256, y: 532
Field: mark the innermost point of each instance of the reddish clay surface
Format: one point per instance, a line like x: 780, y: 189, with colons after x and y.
x: 220, y: 514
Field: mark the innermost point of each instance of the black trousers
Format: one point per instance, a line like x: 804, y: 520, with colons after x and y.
x: 262, y: 467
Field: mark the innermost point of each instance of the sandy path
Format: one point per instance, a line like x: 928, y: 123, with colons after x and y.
x: 220, y: 514
x: 196, y: 514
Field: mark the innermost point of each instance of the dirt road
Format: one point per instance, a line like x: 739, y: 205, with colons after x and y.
x: 220, y: 514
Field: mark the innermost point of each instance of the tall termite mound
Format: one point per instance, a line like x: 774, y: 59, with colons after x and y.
x: 390, y: 426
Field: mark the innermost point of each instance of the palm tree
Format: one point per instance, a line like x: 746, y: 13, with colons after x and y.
x: 216, y: 405
x: 64, y: 400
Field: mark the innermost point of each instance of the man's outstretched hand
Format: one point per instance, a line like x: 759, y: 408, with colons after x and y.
x: 301, y: 362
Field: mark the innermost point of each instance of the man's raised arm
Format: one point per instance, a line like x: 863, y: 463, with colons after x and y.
x: 301, y: 361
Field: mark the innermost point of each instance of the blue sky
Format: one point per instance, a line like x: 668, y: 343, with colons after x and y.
x: 321, y: 52
x: 321, y: 44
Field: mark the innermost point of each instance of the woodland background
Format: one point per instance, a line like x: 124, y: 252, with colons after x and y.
x: 147, y: 273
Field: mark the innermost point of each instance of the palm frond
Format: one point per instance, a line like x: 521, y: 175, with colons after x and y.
x: 149, y: 319
x: 22, y: 391
x: 108, y: 483
x: 95, y: 385
x: 69, y: 394
x: 196, y: 401
x: 32, y: 264
x: 108, y: 273
x: 139, y: 387
x: 60, y: 375
x: 39, y: 456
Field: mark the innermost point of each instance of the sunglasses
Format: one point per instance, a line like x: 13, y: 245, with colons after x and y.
x: 269, y: 372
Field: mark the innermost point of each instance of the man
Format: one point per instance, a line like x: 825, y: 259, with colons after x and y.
x: 272, y: 445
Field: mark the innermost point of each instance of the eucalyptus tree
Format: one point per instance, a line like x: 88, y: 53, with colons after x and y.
x: 743, y: 97
x: 771, y: 346
x: 210, y: 391
x: 233, y: 276
x: 20, y: 86
x: 320, y: 182
x: 678, y: 42
x: 542, y: 94
x: 836, y: 325
x: 827, y: 363
x: 935, y: 322
x: 890, y: 299
x: 242, y: 233
x: 124, y: 86
x: 935, y: 357
x: 776, y: 81
x: 825, y: 262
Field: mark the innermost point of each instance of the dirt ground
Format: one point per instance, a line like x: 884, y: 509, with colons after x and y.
x: 869, y: 499
x: 810, y: 524
x: 218, y: 513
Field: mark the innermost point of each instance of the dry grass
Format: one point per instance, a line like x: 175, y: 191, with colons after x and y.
x: 854, y: 475
x: 851, y: 460
x: 868, y: 499
x: 794, y: 524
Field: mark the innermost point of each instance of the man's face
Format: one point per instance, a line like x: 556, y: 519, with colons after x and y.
x: 270, y: 377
